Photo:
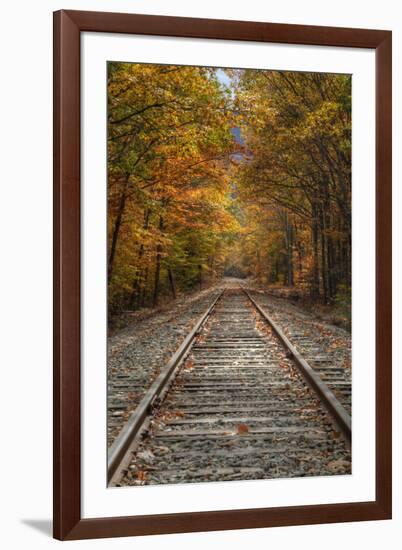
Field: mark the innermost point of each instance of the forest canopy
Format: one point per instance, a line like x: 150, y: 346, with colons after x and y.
x: 216, y: 172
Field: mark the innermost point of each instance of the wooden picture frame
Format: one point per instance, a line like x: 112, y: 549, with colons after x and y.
x: 68, y: 26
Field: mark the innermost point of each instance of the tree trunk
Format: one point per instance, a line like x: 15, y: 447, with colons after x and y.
x: 331, y: 283
x: 116, y: 229
x: 158, y: 265
x: 200, y: 276
x: 300, y: 264
x: 212, y: 266
x: 324, y: 270
x: 289, y: 251
x: 276, y: 271
x: 315, y: 281
x: 135, y: 295
x: 290, y: 256
x: 258, y: 274
x: 143, y: 291
x: 171, y: 283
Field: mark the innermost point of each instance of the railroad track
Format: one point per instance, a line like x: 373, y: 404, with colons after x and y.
x: 331, y: 363
x: 236, y: 401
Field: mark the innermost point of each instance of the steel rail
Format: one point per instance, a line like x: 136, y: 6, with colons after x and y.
x: 328, y: 399
x: 135, y: 423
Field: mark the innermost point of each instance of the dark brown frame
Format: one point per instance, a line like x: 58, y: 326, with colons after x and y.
x: 68, y: 523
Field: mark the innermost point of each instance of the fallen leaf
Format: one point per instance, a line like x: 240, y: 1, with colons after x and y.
x: 242, y: 429
x: 141, y: 475
x: 189, y: 365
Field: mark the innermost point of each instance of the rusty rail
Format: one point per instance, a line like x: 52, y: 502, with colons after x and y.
x: 158, y: 388
x: 328, y: 399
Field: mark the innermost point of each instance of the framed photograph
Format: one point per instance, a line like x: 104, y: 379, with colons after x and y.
x: 222, y: 230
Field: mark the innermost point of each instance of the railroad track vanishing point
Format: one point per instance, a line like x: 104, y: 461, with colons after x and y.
x: 236, y: 401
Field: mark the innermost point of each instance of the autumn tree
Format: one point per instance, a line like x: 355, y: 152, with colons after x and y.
x: 187, y: 201
x: 169, y: 157
x: 297, y: 177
